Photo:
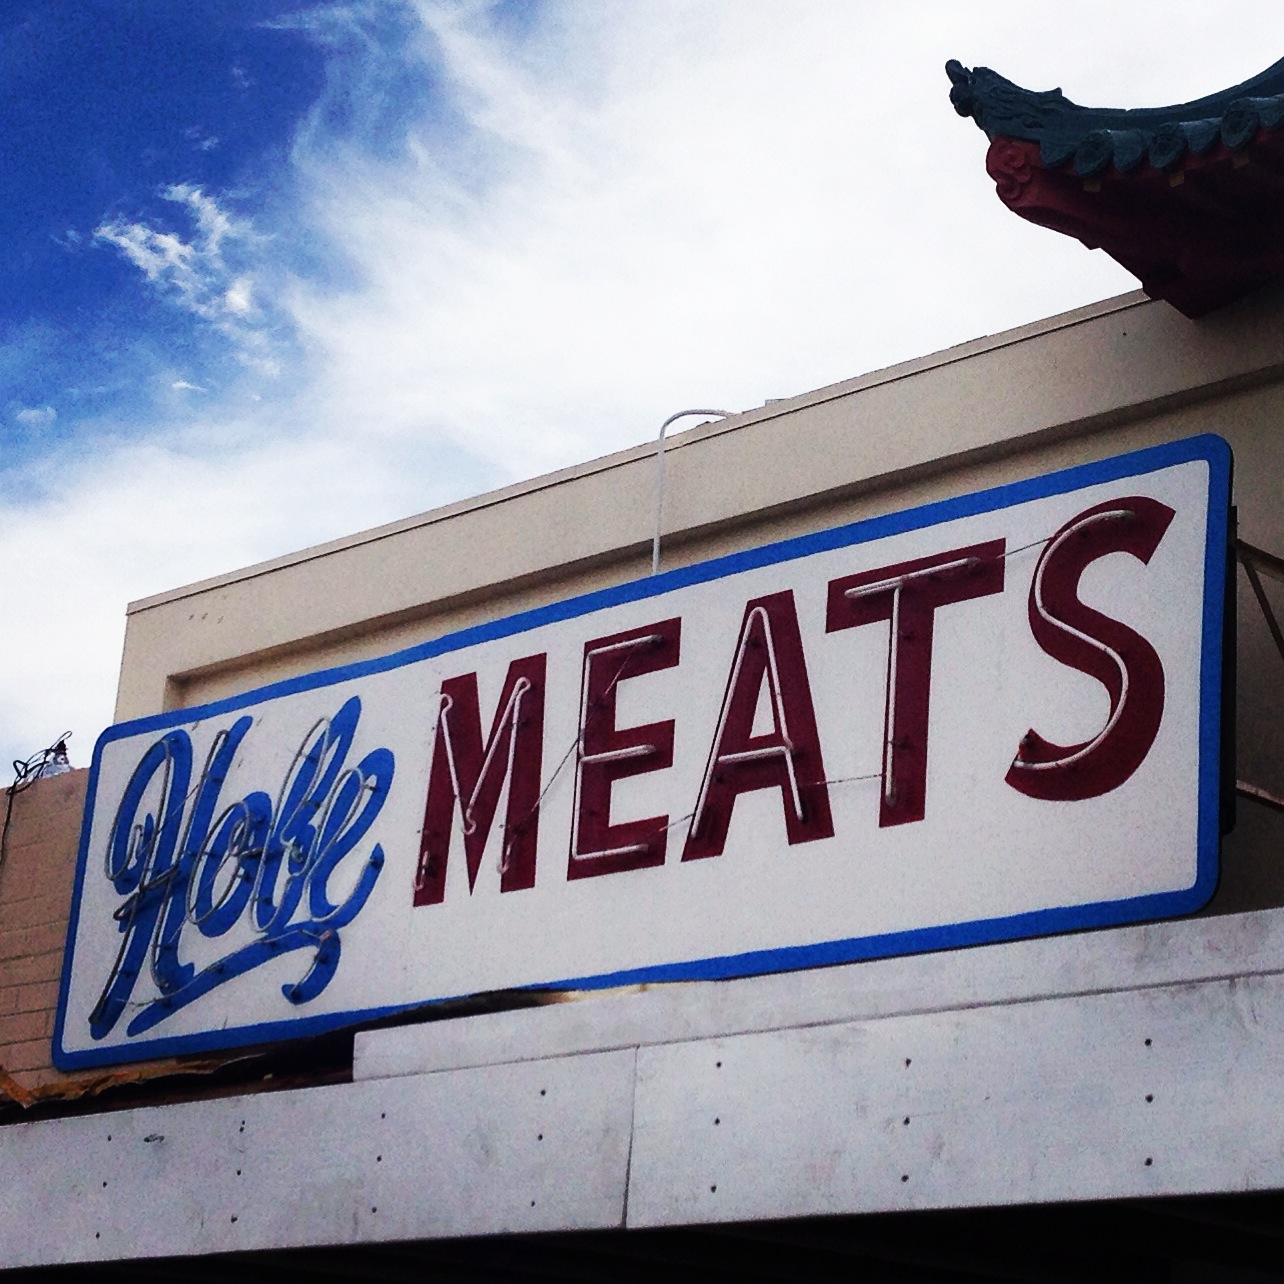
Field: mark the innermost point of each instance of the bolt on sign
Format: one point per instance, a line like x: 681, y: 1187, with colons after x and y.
x: 991, y: 717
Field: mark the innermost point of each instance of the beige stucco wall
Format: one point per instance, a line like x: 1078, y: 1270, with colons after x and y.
x: 1113, y: 377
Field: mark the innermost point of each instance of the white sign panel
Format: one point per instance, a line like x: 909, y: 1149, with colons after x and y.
x: 991, y: 717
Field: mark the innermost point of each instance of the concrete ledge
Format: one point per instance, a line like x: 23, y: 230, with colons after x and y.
x: 1167, y: 1086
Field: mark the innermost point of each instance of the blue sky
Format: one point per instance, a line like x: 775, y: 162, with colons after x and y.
x: 112, y: 112
x: 274, y: 272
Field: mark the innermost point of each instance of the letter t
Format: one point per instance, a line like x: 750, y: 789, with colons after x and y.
x: 908, y: 594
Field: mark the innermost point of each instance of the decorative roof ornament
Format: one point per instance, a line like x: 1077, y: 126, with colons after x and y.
x: 1189, y: 198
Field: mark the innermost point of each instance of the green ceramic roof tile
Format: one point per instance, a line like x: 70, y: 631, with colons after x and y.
x: 1093, y: 139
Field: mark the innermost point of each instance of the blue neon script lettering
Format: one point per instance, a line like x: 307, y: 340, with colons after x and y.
x: 253, y: 861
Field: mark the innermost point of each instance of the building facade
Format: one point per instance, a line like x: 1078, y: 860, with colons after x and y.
x: 1135, y: 1062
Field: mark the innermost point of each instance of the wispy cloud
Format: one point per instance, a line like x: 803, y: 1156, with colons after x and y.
x: 36, y: 416
x: 201, y: 271
x: 674, y: 203
x: 200, y: 140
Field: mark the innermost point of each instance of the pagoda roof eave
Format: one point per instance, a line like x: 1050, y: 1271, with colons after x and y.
x: 1096, y: 138
x: 1189, y: 198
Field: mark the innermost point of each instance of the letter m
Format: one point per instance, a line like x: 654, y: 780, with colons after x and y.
x: 467, y: 778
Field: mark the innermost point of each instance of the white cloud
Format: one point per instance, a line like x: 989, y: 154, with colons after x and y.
x: 699, y: 202
x: 134, y: 521
x: 238, y: 297
x: 36, y: 416
x: 162, y: 257
x: 627, y: 209
x: 195, y: 273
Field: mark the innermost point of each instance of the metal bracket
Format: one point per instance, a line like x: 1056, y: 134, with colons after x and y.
x: 1255, y: 561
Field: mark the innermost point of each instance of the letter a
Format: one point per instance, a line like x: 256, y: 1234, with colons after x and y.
x: 769, y: 652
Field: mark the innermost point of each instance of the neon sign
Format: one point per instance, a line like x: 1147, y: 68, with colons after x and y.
x: 195, y: 860
x: 990, y: 717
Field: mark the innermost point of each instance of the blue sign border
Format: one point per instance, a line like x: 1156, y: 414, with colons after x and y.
x: 1209, y: 448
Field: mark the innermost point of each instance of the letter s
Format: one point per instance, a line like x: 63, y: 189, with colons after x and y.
x: 1105, y: 649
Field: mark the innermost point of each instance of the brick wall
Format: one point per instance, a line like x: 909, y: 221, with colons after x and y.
x: 35, y: 897
x: 36, y: 881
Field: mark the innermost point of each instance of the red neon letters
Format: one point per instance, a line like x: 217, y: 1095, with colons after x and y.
x: 766, y: 735
x: 769, y: 652
x: 908, y: 595
x: 609, y: 753
x: 1084, y: 639
x: 466, y: 775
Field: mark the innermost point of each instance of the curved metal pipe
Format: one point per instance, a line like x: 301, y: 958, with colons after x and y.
x: 659, y: 476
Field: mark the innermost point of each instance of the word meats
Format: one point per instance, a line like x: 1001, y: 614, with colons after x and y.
x: 768, y: 670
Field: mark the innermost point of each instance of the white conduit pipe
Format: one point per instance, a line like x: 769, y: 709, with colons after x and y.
x: 659, y: 476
